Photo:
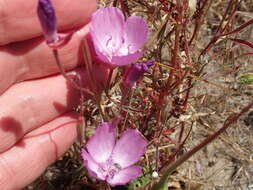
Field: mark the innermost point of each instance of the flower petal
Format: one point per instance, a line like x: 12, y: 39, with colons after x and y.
x: 107, y: 26
x: 135, y: 33
x: 91, y: 165
x: 127, y: 59
x: 101, y: 144
x: 129, y: 148
x: 126, y: 175
x: 102, y: 57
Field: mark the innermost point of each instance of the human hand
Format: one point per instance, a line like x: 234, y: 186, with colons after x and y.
x: 36, y: 122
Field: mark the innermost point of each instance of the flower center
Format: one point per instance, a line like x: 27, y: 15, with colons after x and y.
x: 124, y: 49
x: 109, y: 169
x: 115, y: 48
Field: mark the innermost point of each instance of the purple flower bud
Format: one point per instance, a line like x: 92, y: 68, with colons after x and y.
x: 135, y: 72
x: 47, y: 19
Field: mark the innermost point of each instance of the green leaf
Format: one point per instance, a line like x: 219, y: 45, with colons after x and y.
x: 246, y: 79
x: 141, y: 181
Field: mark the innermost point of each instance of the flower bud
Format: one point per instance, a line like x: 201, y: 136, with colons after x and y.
x: 135, y: 72
x: 47, y: 18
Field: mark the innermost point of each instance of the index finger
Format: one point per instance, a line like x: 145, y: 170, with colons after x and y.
x: 18, y: 19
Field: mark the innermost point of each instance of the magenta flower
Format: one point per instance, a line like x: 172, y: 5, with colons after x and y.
x: 47, y: 20
x: 117, y: 41
x: 113, y: 161
x: 135, y: 72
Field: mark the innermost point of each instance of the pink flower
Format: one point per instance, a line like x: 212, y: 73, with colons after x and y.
x: 117, y: 41
x: 135, y: 72
x: 113, y: 161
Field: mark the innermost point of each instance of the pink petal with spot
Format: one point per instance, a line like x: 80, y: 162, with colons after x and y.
x: 125, y: 60
x: 91, y: 165
x: 129, y: 148
x: 107, y: 26
x: 135, y: 33
x: 126, y: 175
x: 101, y: 144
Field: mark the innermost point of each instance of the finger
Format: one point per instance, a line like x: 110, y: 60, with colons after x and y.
x: 30, y: 104
x: 34, y: 59
x: 24, y: 162
x: 24, y: 24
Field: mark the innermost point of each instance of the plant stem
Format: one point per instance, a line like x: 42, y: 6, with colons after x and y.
x: 94, y: 86
x: 170, y: 168
x: 64, y: 74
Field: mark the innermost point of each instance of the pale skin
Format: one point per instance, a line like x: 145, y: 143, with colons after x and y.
x: 37, y: 124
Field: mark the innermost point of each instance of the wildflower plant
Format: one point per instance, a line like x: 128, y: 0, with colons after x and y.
x: 159, y: 108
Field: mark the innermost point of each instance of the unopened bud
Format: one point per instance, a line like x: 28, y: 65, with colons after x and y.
x: 135, y: 72
x: 47, y: 20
